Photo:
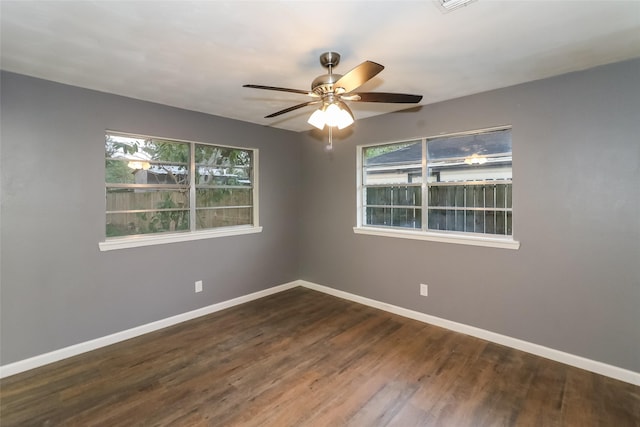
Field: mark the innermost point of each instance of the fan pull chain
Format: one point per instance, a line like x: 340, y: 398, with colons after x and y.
x: 330, y: 146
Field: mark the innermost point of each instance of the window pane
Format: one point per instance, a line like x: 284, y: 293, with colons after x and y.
x: 127, y: 224
x: 486, y: 144
x: 407, y: 218
x: 127, y: 199
x: 479, y: 221
x: 168, y: 151
x: 117, y: 172
x: 379, y: 196
x: 212, y: 218
x: 448, y: 219
x: 213, y: 197
x: 392, y: 153
x: 140, y: 149
x: 477, y: 157
x: 378, y: 216
x: 394, y: 196
x: 222, y: 177
x: 123, y: 147
x: 437, y: 219
x: 146, y: 161
x: 396, y: 217
x: 471, y: 221
x: 393, y: 163
x: 163, y: 173
x: 473, y: 195
x: 406, y: 196
x: 446, y: 196
x: 220, y: 166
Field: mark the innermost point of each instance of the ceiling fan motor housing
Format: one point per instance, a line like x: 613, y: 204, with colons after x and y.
x: 323, y: 84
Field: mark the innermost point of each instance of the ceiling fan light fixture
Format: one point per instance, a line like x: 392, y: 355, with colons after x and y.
x: 335, y: 114
x: 345, y: 117
x: 317, y: 118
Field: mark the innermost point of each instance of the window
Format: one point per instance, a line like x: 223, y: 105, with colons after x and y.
x: 158, y: 187
x: 454, y: 185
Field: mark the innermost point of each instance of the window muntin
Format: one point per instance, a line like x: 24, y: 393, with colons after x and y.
x: 157, y: 186
x: 468, y: 188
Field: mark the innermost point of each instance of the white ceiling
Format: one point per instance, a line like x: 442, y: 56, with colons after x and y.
x: 197, y: 55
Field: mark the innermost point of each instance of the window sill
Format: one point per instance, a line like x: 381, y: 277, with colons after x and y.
x: 491, y: 242
x: 161, y: 239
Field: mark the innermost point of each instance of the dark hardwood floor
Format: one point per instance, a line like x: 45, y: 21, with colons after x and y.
x: 302, y: 358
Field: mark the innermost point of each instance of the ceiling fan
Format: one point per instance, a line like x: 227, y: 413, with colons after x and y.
x: 330, y: 91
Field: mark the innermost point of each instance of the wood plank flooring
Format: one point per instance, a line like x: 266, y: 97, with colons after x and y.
x: 302, y: 358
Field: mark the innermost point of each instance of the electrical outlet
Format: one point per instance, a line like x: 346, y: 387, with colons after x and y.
x: 424, y: 290
x: 199, y: 286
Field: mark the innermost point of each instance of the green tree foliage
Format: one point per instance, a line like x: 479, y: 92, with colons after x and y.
x: 169, y: 220
x: 171, y: 157
x: 378, y: 150
x: 118, y: 172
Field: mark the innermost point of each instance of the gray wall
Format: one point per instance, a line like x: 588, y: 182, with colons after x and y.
x: 58, y: 289
x: 574, y: 285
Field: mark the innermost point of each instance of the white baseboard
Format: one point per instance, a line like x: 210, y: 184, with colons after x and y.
x: 74, y: 350
x: 539, y: 350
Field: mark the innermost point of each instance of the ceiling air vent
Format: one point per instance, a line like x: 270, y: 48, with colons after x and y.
x: 449, y: 5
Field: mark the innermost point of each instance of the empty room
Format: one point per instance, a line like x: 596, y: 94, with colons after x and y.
x: 305, y: 213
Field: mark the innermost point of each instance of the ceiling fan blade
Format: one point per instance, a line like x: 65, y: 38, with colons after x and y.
x: 295, y: 107
x: 399, y: 98
x: 358, y: 76
x: 281, y: 89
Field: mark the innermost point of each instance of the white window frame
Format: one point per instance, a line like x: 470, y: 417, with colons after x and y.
x: 464, y: 238
x: 125, y: 242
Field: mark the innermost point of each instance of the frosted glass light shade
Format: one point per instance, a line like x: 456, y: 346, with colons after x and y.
x: 345, y: 119
x: 317, y: 119
x: 331, y: 115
